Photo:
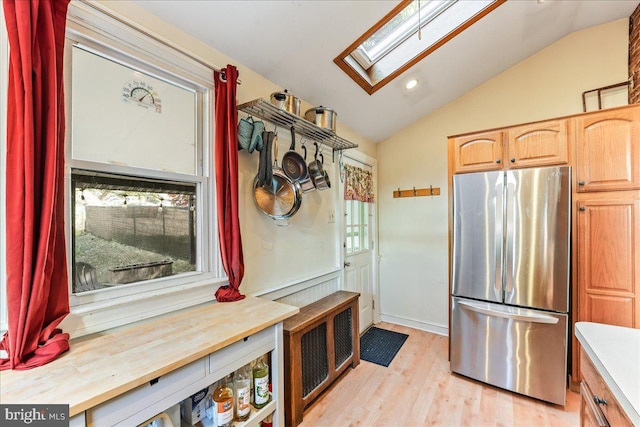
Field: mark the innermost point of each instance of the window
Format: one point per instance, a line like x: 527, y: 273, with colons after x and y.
x: 409, y: 33
x: 398, y: 29
x: 357, y: 226
x: 128, y: 230
x: 140, y: 190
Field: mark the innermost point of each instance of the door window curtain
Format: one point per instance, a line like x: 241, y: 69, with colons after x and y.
x: 226, y: 161
x: 358, y: 184
x: 37, y: 281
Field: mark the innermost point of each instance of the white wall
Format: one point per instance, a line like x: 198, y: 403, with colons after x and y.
x: 414, y: 231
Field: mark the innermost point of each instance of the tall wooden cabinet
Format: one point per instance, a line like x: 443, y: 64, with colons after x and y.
x: 608, y: 239
x: 606, y: 220
x: 603, y: 149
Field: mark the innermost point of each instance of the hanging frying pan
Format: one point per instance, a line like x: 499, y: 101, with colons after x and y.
x: 295, y: 166
x: 279, y: 198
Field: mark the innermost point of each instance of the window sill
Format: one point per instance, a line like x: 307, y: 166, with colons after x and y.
x: 97, y: 316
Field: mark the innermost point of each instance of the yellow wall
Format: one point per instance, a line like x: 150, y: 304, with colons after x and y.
x: 414, y: 231
x: 274, y: 256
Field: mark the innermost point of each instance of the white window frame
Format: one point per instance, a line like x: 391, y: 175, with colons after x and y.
x: 94, y: 311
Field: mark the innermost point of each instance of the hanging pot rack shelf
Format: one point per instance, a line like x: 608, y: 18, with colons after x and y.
x: 267, y: 111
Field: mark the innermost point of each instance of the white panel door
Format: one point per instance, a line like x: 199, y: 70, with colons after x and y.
x: 359, y: 253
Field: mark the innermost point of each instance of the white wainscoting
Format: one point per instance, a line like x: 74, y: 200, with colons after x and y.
x: 305, y: 291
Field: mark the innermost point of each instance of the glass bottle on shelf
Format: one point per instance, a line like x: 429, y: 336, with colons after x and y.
x: 223, y: 403
x: 261, y: 384
x: 242, y: 393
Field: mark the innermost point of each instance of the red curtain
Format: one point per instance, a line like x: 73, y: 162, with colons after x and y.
x: 37, y: 282
x: 226, y: 159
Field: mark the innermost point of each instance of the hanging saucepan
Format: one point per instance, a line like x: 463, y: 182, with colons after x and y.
x: 279, y: 199
x: 286, y: 101
x: 322, y: 117
x: 295, y: 166
x: 316, y: 171
x: 325, y: 175
x: 322, y: 182
x: 308, y: 184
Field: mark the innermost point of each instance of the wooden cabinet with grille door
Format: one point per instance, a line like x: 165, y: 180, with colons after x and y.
x: 320, y: 343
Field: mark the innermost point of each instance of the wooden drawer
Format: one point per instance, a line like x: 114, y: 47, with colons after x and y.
x: 611, y: 410
x: 144, y: 402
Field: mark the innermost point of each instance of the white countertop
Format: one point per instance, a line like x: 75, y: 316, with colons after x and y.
x: 615, y: 352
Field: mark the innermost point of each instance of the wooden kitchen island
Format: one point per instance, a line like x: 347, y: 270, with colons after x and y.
x: 610, y: 368
x: 128, y: 376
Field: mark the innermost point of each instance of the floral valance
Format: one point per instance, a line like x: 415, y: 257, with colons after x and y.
x: 358, y: 184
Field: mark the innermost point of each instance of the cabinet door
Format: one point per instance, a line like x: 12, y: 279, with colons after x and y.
x: 609, y: 261
x: 478, y: 152
x: 538, y: 144
x: 608, y: 150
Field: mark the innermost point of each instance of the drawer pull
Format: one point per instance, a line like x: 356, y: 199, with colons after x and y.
x: 599, y: 401
x: 592, y: 406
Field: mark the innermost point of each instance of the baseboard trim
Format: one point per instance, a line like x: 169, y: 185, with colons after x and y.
x: 416, y: 324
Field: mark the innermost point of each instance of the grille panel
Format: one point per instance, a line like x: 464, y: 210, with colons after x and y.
x: 315, y: 365
x: 343, y: 337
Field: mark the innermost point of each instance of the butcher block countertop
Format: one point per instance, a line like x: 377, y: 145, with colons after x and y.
x: 615, y: 353
x: 104, y: 366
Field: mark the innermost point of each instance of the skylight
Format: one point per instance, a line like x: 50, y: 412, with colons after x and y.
x: 398, y: 29
x: 410, y: 32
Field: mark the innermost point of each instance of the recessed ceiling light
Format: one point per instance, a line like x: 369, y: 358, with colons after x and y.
x: 411, y: 84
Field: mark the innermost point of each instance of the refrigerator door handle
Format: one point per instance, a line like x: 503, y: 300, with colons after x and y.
x: 532, y: 318
x: 499, y: 239
x: 511, y: 220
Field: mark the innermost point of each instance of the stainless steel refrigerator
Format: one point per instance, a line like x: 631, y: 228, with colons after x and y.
x: 510, y: 279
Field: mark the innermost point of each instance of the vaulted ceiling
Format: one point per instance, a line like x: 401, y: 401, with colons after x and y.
x: 293, y: 44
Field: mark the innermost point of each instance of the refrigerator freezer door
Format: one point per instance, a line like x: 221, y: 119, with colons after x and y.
x: 477, y: 235
x: 516, y: 349
x: 537, y: 238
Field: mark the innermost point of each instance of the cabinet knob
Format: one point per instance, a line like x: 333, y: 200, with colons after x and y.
x: 513, y: 160
x: 580, y: 182
x: 582, y: 208
x: 498, y: 161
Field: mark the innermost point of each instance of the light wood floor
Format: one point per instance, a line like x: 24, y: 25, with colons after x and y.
x: 417, y: 389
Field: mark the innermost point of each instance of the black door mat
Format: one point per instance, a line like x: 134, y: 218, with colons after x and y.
x: 380, y: 346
